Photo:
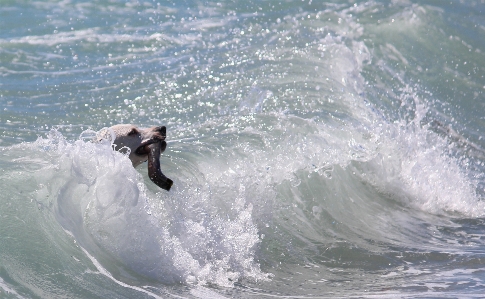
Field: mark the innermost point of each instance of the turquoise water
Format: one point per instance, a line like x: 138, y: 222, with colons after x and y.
x: 318, y: 150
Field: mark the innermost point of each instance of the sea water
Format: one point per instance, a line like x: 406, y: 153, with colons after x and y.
x: 318, y: 149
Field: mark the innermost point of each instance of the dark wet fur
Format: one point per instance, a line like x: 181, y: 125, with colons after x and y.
x: 154, y: 173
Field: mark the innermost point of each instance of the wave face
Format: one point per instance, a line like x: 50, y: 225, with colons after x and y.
x: 316, y: 149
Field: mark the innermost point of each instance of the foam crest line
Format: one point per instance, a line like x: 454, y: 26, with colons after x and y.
x: 106, y: 273
x: 8, y: 290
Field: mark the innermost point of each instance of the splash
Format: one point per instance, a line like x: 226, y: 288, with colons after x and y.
x: 418, y: 167
x: 128, y: 228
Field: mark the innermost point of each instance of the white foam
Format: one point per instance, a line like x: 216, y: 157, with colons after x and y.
x: 415, y: 165
x: 172, y: 237
x: 205, y: 293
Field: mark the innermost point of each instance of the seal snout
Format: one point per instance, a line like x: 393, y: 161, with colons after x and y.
x: 160, y: 133
x: 162, y: 130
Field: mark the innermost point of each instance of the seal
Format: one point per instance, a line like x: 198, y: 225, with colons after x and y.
x: 145, y: 144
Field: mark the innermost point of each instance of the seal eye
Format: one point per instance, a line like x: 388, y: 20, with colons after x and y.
x: 133, y: 132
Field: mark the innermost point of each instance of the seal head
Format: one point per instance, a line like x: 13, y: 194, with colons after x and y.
x: 144, y: 144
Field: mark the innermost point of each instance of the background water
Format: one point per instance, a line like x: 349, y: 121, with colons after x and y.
x: 317, y: 149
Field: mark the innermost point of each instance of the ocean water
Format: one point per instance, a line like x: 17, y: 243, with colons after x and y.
x: 318, y: 149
